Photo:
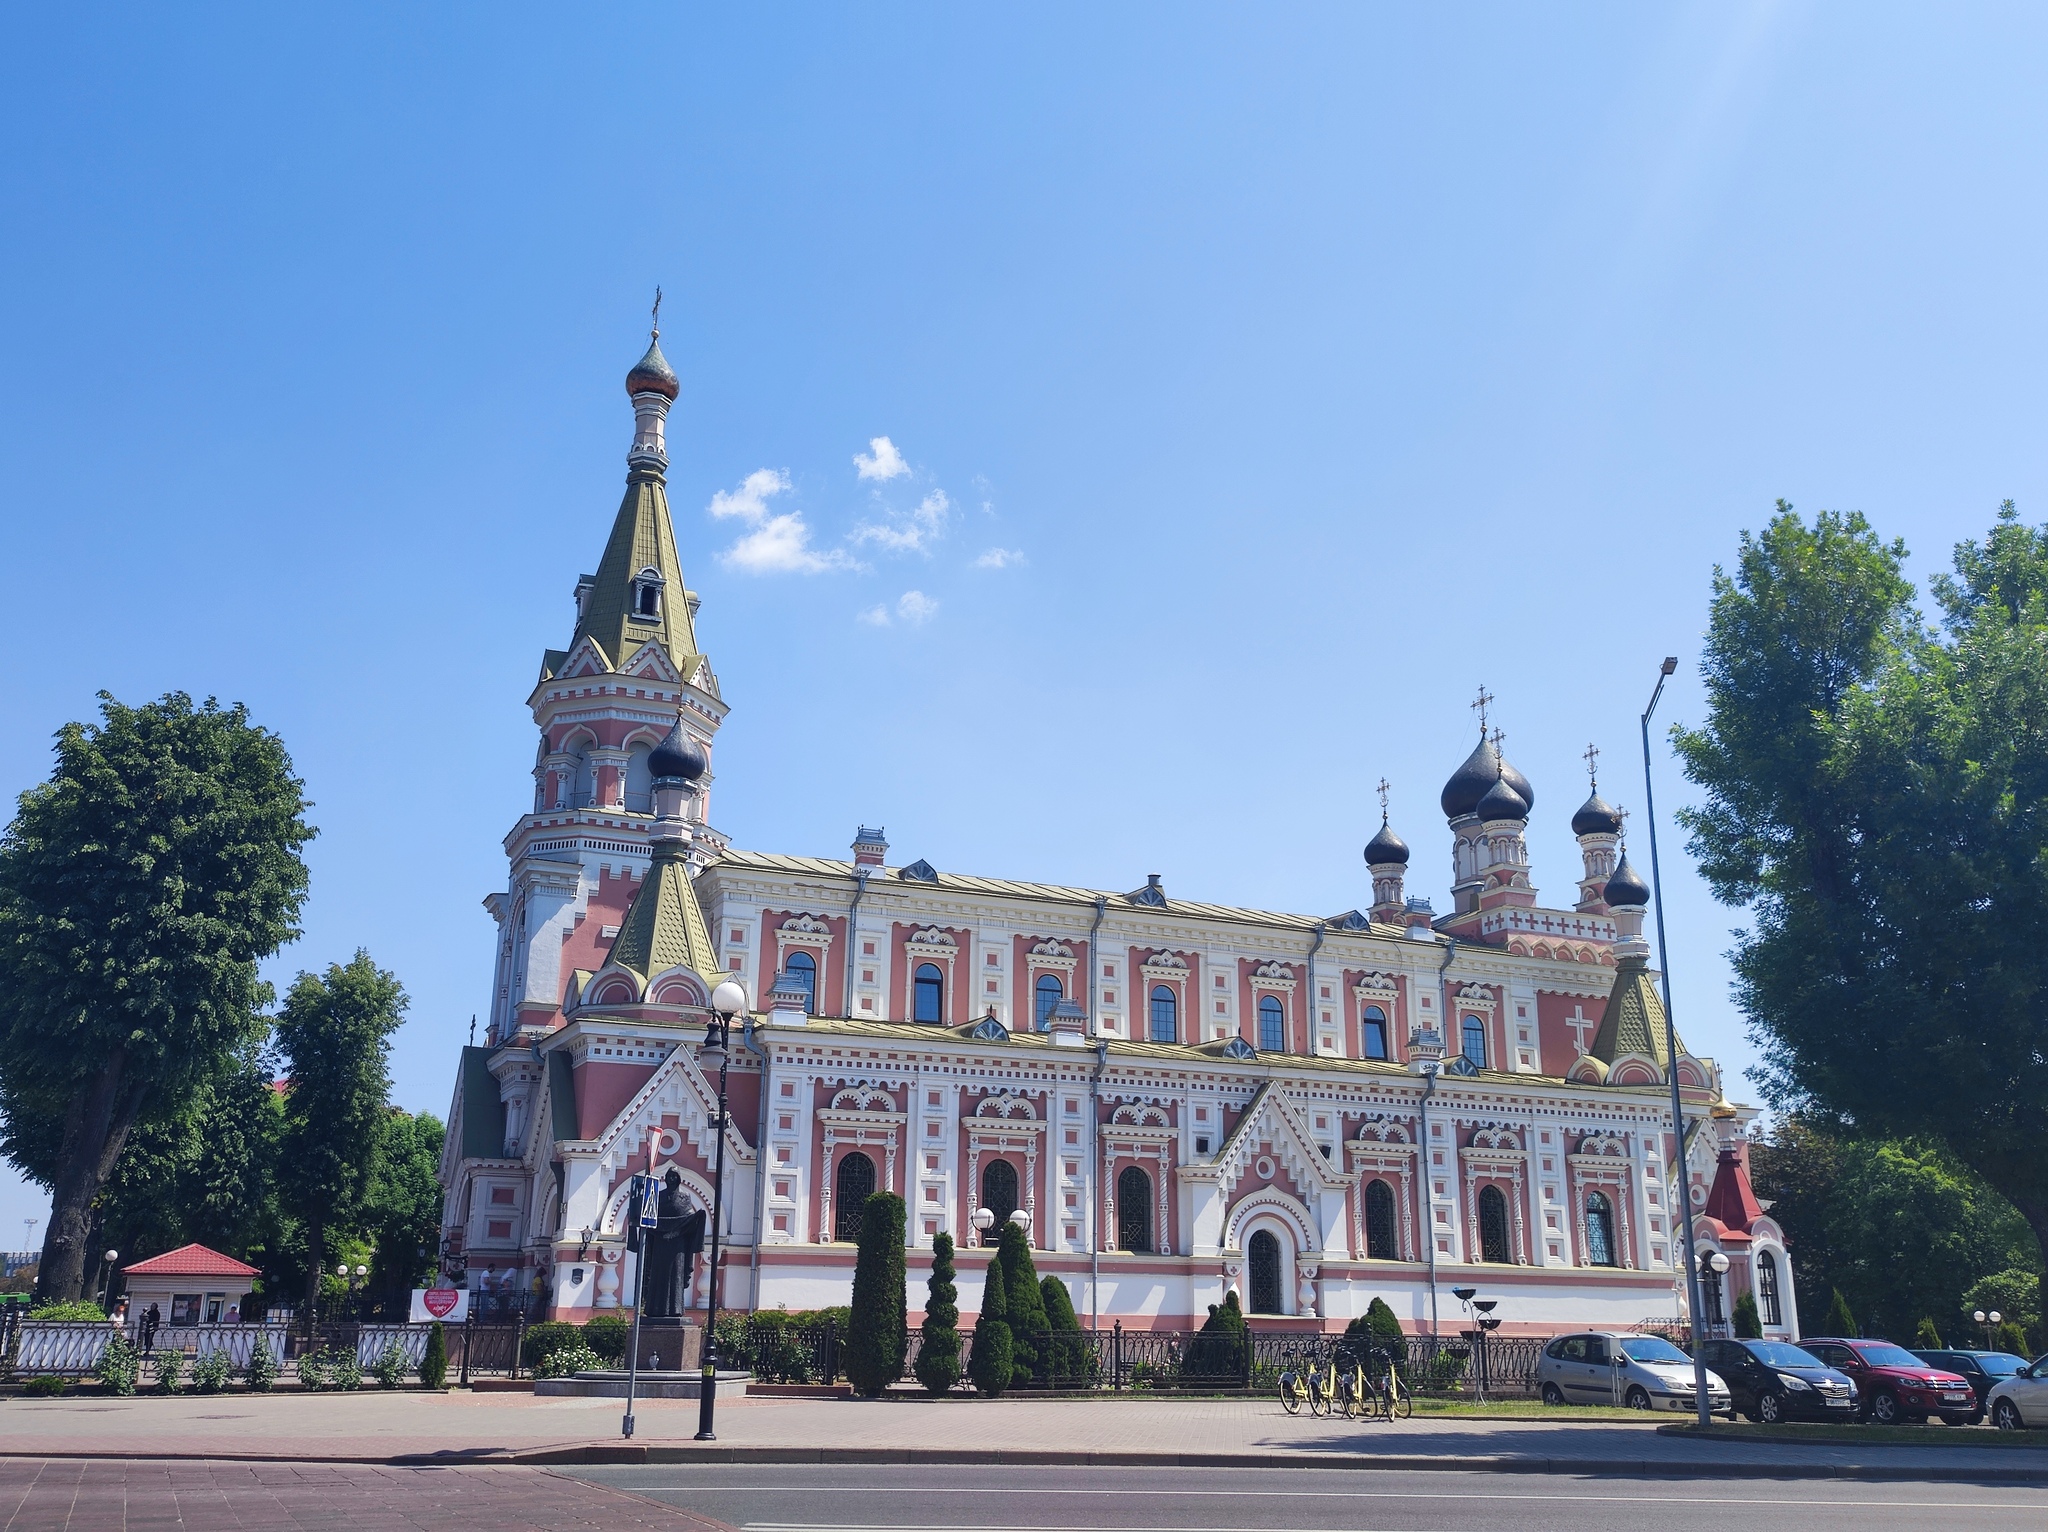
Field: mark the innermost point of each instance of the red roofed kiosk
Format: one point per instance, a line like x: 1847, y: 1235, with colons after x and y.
x: 191, y: 1285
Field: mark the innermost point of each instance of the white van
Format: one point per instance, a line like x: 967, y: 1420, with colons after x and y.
x: 1643, y: 1372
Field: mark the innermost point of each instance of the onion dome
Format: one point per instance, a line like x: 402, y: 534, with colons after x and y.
x: 1473, y: 780
x: 1501, y: 801
x: 652, y: 373
x: 677, y: 756
x: 1596, y: 816
x: 1625, y: 888
x: 1386, y: 847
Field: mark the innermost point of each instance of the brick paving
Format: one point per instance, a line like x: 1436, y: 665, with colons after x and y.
x: 129, y: 1496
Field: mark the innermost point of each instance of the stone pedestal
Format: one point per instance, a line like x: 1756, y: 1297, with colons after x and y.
x: 671, y: 1345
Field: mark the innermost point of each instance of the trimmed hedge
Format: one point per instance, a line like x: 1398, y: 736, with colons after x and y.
x: 608, y: 1335
x: 938, y: 1358
x: 878, y: 1335
x: 546, y: 1336
x: 991, y: 1357
x: 1026, y: 1306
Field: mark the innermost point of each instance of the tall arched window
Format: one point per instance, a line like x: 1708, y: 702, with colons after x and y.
x: 851, y: 1188
x: 1045, y: 995
x: 998, y: 1194
x: 930, y: 998
x: 805, y: 969
x: 1272, y: 1025
x: 1134, y: 1210
x: 1263, y: 1256
x: 1493, y: 1226
x: 1375, y: 1030
x: 1772, y: 1313
x: 639, y: 782
x: 1165, y: 1015
x: 1599, y: 1230
x: 1475, y: 1041
x: 1380, y: 1244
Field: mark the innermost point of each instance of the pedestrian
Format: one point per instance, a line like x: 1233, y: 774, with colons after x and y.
x: 151, y: 1318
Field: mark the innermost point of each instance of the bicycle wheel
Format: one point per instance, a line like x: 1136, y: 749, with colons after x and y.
x: 1290, y: 1393
x: 1318, y: 1396
x: 1400, y: 1403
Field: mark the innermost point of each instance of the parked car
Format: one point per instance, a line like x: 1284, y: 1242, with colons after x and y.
x: 1644, y: 1372
x: 1896, y: 1386
x: 1770, y: 1381
x: 2022, y: 1399
x: 1985, y: 1370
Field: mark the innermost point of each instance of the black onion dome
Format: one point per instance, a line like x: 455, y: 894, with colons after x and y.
x: 1501, y: 801
x: 1596, y: 816
x: 1386, y: 847
x: 1625, y: 888
x: 677, y: 756
x: 1473, y: 780
x: 652, y: 373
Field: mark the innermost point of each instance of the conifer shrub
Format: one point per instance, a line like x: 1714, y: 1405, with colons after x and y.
x: 938, y: 1356
x: 1219, y: 1351
x: 1926, y: 1337
x: 1026, y: 1304
x: 1384, y: 1330
x: 990, y: 1358
x: 878, y: 1331
x: 2012, y: 1337
x: 1840, y: 1321
x: 608, y: 1335
x: 1067, y: 1354
x: 1748, y: 1325
x: 434, y: 1362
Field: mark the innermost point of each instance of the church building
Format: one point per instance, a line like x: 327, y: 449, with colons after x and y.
x: 1176, y: 1098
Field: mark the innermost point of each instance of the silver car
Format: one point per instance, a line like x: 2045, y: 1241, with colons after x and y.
x: 1643, y: 1372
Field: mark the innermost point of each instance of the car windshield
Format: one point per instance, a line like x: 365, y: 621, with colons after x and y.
x: 2001, y: 1364
x: 1652, y: 1348
x: 1888, y: 1356
x: 1778, y: 1354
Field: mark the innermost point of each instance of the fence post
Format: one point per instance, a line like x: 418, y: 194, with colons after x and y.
x: 519, y: 1342
x: 468, y: 1334
x: 1245, y: 1363
x: 1119, y: 1364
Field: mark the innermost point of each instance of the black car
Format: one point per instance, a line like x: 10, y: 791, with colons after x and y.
x: 1771, y: 1381
x: 1985, y: 1370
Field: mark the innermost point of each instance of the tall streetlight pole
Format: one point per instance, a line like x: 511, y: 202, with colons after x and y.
x: 1682, y: 1214
x: 727, y: 1001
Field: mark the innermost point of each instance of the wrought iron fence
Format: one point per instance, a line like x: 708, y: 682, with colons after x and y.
x: 68, y: 1348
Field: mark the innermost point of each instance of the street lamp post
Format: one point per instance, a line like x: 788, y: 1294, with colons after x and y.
x: 1682, y: 1214
x: 984, y: 1220
x: 727, y: 1001
x: 1990, y: 1322
x: 106, y: 1263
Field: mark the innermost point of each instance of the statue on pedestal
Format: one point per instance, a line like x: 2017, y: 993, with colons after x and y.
x: 668, y: 1251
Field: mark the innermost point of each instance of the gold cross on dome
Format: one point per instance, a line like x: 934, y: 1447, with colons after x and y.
x: 657, y: 313
x: 1480, y: 705
x: 1383, y: 799
x: 1592, y: 760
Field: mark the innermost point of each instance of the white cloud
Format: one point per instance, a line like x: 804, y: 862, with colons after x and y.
x: 916, y: 607
x: 750, y: 500
x: 876, y: 616
x: 1000, y: 558
x: 778, y: 543
x: 914, y: 533
x: 882, y: 461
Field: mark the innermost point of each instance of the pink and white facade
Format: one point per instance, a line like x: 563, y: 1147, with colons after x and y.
x: 1180, y: 1097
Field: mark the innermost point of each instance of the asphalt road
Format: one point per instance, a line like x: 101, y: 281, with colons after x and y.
x: 926, y: 1498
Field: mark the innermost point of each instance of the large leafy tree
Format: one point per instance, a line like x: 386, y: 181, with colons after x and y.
x: 1877, y: 797
x: 402, y: 1214
x: 140, y: 886
x: 334, y: 1035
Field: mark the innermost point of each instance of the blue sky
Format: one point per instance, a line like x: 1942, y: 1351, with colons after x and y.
x: 1263, y: 380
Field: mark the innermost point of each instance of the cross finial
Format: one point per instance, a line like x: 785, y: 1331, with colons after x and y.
x: 657, y: 313
x: 1624, y: 830
x: 1383, y: 800
x: 1592, y: 760
x: 1479, y: 705
x: 472, y: 1031
x: 1499, y: 738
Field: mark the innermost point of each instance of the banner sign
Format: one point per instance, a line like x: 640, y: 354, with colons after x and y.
x: 450, y: 1304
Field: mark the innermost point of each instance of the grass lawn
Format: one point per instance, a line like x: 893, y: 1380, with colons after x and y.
x: 1863, y: 1436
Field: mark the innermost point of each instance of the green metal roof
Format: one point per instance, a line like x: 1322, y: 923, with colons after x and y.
x: 663, y: 927
x: 642, y: 538
x: 1634, y: 1022
x: 483, y: 1109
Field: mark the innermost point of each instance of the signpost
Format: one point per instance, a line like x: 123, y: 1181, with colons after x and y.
x: 650, y: 1218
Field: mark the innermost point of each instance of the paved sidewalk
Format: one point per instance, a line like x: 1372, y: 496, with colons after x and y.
x: 374, y: 1427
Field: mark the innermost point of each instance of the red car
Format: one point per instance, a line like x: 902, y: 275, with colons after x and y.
x: 1896, y: 1387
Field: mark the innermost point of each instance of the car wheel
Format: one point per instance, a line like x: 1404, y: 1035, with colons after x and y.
x: 1974, y: 1420
x: 1770, y: 1409
x: 1638, y: 1399
x: 1552, y: 1395
x: 1884, y: 1410
x: 2006, y: 1416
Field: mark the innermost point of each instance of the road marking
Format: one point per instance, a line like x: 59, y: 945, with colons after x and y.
x: 1278, y: 1494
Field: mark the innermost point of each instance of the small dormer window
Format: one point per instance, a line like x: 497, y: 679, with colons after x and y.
x: 647, y: 595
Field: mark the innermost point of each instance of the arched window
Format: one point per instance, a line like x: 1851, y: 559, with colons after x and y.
x: 1767, y: 1289
x: 584, y: 787
x: 931, y: 994
x: 1165, y: 1015
x: 647, y: 594
x: 1380, y: 1244
x: 1475, y: 1041
x: 1493, y: 1226
x: 1263, y: 1256
x: 1134, y: 1210
x: 1046, y: 994
x: 1599, y: 1230
x: 998, y: 1195
x: 851, y: 1188
x: 804, y: 968
x: 1272, y: 1025
x: 639, y: 782
x: 1375, y: 1030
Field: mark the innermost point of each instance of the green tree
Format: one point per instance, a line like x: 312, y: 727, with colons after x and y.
x: 878, y: 1329
x: 1219, y: 1352
x: 1748, y: 1324
x: 1026, y: 1305
x: 335, y: 1035
x: 139, y: 888
x: 402, y: 1214
x: 1926, y: 1337
x: 434, y: 1361
x: 1066, y: 1352
x: 1840, y: 1321
x: 991, y: 1358
x: 2011, y: 1294
x: 1877, y: 797
x: 938, y: 1357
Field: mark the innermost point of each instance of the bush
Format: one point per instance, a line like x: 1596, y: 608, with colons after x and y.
x: 991, y: 1359
x: 76, y: 1312
x: 2011, y: 1337
x: 1748, y: 1326
x: 263, y: 1366
x: 44, y: 1386
x: 118, y: 1367
x: 548, y: 1335
x: 565, y: 1360
x: 390, y: 1366
x: 313, y: 1371
x: 170, y: 1365
x: 1926, y: 1337
x: 608, y: 1335
x: 1220, y: 1350
x: 730, y: 1333
x: 777, y: 1350
x: 344, y: 1369
x: 1840, y: 1321
x: 1026, y: 1305
x: 1068, y: 1358
x: 938, y: 1355
x: 210, y: 1371
x: 878, y: 1335
x: 434, y: 1364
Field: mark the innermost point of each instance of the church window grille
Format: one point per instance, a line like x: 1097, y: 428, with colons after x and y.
x: 1493, y: 1226
x: 1165, y: 1015
x: 1272, y: 1025
x: 1379, y: 1223
x: 998, y: 1194
x: 804, y: 969
x: 1264, y: 1259
x: 1375, y: 1032
x: 1047, y: 995
x: 1134, y: 1210
x: 851, y: 1188
x: 1475, y: 1042
x: 1767, y: 1288
x: 930, y: 997
x: 1599, y: 1230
